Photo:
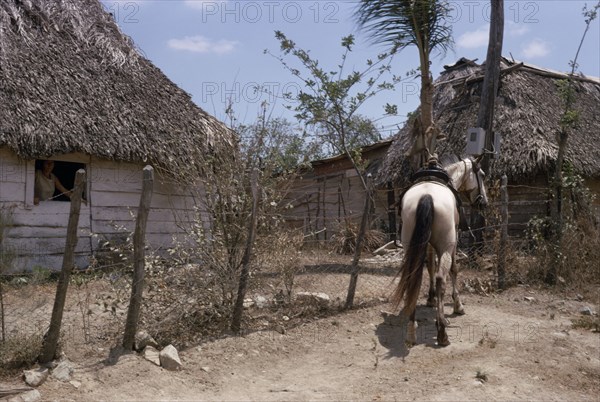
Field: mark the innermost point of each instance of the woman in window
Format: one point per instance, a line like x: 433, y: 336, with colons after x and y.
x: 46, y: 183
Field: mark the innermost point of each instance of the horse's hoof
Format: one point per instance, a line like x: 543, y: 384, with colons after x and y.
x: 459, y: 311
x: 443, y: 340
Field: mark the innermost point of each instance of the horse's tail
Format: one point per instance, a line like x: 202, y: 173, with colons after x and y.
x: 411, y: 269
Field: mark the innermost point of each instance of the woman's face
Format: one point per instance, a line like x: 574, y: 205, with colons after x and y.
x: 47, y: 167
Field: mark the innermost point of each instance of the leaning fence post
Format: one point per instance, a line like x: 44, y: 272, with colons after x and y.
x: 503, y: 233
x: 137, y: 286
x: 51, y: 339
x: 238, y: 308
x: 359, y: 244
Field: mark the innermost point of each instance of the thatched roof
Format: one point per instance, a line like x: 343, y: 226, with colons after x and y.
x: 71, y: 81
x: 527, y: 114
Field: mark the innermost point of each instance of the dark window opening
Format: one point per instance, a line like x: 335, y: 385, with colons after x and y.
x: 65, y: 173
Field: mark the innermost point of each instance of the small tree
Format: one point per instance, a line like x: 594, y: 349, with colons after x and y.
x: 404, y: 23
x: 360, y: 131
x: 330, y: 100
x: 282, y: 146
x: 569, y: 120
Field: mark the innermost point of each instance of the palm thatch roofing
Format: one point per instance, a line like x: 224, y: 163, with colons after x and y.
x: 71, y: 81
x: 527, y: 115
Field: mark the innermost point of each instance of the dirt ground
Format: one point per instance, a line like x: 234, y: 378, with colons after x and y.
x: 516, y: 345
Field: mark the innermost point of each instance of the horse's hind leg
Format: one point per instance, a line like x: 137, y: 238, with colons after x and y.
x: 411, y: 331
x: 431, y: 263
x: 458, y: 306
x: 445, y: 264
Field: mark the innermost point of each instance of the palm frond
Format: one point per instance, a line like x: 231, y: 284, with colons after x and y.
x: 400, y: 23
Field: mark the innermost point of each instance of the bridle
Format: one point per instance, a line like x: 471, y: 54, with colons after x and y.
x: 476, y: 169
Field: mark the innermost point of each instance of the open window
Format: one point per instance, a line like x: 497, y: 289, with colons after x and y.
x: 65, y: 172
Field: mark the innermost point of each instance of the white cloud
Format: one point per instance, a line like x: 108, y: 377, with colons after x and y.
x: 514, y: 29
x: 474, y: 39
x: 535, y: 48
x: 202, y: 44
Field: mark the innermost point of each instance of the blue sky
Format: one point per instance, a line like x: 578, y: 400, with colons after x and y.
x: 214, y: 50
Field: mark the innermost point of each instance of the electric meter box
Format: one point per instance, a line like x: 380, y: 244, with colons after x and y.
x: 475, y: 141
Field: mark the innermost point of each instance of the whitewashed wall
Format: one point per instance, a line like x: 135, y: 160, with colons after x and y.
x: 37, y: 235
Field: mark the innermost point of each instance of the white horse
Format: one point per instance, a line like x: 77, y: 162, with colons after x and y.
x: 430, y: 216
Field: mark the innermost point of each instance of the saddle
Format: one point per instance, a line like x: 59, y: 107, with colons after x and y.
x: 437, y: 174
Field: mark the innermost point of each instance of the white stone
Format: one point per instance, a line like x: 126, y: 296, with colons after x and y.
x: 29, y: 396
x: 152, y: 354
x: 169, y: 358
x: 321, y: 299
x: 261, y: 301
x: 63, y: 371
x: 143, y: 339
x: 36, y: 377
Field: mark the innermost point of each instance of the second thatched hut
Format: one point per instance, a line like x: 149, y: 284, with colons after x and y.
x: 527, y: 116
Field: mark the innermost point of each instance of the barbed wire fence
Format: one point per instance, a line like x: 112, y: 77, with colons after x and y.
x: 298, y: 272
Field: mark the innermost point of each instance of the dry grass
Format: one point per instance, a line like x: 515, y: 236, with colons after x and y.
x: 587, y: 322
x: 19, y: 352
x: 575, y: 260
x: 344, y: 242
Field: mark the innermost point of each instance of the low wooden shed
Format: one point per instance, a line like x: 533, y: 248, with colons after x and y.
x: 74, y: 89
x: 330, y: 193
x: 527, y: 116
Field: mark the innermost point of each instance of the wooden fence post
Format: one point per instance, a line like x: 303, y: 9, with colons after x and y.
x: 324, y: 209
x: 139, y: 256
x: 503, y: 233
x: 391, y: 199
x: 359, y: 244
x: 51, y: 339
x: 317, y: 213
x: 310, y: 231
x: 238, y: 308
x: 2, y: 320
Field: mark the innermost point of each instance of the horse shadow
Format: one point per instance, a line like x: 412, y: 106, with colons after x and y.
x: 391, y: 333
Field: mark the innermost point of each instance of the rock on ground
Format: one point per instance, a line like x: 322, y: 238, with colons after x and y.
x: 152, y: 354
x: 35, y: 377
x: 320, y: 299
x: 169, y: 358
x: 143, y: 339
x: 63, y: 371
x: 29, y: 396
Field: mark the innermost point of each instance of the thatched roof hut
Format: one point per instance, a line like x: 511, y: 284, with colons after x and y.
x: 74, y: 89
x: 70, y: 81
x: 527, y: 114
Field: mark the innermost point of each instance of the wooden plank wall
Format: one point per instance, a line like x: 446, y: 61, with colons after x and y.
x: 37, y: 234
x: 525, y: 201
x: 321, y: 204
x: 115, y: 195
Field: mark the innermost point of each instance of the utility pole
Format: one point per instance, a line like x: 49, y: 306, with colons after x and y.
x: 491, y: 80
x: 485, y: 117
